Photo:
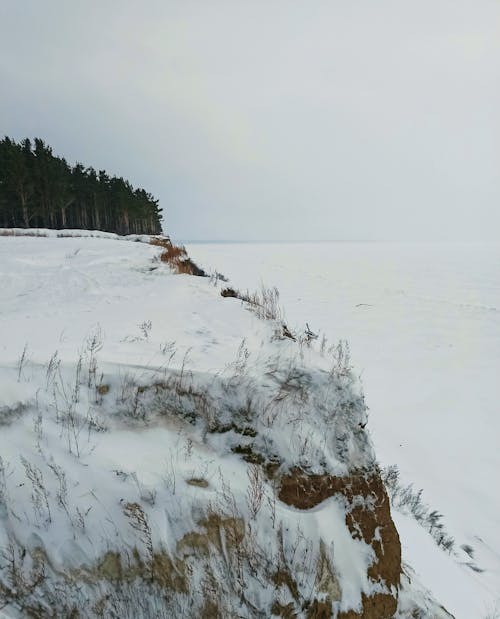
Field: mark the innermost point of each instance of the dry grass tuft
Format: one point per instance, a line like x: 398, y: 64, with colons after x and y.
x: 199, y: 482
x: 265, y: 304
x: 177, y: 257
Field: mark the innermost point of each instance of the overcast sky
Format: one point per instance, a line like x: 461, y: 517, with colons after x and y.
x: 343, y: 119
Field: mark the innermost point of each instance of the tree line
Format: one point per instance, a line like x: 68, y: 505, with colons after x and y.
x: 40, y: 190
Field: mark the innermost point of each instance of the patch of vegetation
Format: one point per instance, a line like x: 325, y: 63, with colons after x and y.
x: 248, y: 454
x: 176, y: 256
x: 409, y: 500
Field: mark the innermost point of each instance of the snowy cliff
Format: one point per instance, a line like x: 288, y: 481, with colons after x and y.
x: 167, y: 452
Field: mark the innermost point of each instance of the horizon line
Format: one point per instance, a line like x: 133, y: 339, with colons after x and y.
x: 284, y: 241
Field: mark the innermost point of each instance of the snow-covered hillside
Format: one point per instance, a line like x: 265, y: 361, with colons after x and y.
x: 423, y: 323
x: 165, y: 452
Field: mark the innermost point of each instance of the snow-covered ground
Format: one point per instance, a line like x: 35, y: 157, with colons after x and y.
x: 101, y: 328
x: 128, y: 396
x: 423, y: 323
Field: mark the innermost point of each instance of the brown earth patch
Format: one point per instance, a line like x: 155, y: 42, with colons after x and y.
x: 320, y: 610
x: 169, y: 573
x: 376, y: 606
x: 283, y: 577
x: 285, y: 611
x: 368, y: 517
x: 199, y: 482
x: 214, y: 525
x: 110, y: 566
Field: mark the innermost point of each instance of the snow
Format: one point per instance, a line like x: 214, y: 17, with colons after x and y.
x: 69, y: 233
x: 423, y: 324
x: 104, y: 354
x: 457, y: 586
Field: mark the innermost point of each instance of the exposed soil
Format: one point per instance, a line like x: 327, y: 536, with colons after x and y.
x: 368, y: 517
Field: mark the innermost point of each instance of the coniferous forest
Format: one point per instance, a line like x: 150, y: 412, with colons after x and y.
x: 40, y: 190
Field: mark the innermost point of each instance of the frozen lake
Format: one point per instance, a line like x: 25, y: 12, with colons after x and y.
x: 423, y: 324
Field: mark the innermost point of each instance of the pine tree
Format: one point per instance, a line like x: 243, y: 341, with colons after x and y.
x: 38, y: 189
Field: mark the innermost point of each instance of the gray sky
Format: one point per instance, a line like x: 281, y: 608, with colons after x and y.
x: 270, y: 119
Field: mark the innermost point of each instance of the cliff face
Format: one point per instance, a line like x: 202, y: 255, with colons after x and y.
x: 184, y: 457
x: 368, y: 518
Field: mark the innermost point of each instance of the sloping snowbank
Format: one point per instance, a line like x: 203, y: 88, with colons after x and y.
x: 145, y: 424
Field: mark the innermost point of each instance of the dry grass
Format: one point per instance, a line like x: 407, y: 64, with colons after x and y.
x: 265, y: 304
x: 199, y: 482
x: 176, y: 256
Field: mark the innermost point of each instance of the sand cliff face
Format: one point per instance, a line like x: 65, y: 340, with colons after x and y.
x: 368, y: 518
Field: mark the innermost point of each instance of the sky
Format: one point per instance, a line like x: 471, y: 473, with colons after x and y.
x: 271, y: 119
